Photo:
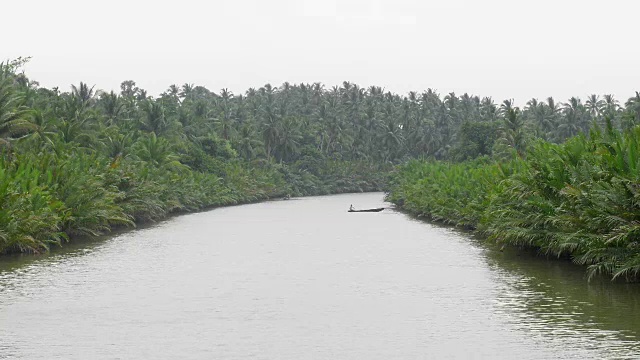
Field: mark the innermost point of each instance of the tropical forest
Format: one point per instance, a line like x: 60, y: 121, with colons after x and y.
x: 557, y: 175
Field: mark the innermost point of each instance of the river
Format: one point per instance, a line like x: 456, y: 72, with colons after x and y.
x: 304, y: 279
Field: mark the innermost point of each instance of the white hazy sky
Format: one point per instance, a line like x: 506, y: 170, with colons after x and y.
x: 499, y: 48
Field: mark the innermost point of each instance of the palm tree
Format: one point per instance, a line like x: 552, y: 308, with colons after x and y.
x: 247, y: 142
x: 226, y: 95
x: 119, y: 146
x: 157, y: 151
x: 186, y: 91
x: 83, y: 95
x: 112, y: 106
x: 173, y: 92
x: 270, y: 130
x: 225, y: 124
x: 633, y: 108
x: 44, y: 129
x: 391, y: 139
x: 79, y: 129
x: 450, y: 101
x: 513, y: 132
x: 425, y: 139
x: 506, y: 107
x: 594, y: 106
x: 289, y: 140
x: 574, y: 120
x: 154, y: 119
x: 15, y: 117
x: 488, y: 109
x: 610, y: 106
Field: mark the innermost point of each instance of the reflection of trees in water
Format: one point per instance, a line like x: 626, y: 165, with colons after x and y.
x: 19, y: 272
x: 552, y: 300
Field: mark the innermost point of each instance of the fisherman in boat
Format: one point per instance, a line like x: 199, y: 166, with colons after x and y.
x: 351, y: 208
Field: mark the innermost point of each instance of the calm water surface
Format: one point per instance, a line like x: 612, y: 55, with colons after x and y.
x: 304, y: 279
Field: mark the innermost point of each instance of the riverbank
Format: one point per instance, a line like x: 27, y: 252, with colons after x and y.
x: 47, y: 201
x: 577, y: 200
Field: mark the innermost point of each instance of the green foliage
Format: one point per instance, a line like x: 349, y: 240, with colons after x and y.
x: 578, y: 200
x: 15, y: 117
x: 30, y: 216
x: 454, y: 193
x: 82, y: 162
x: 476, y: 139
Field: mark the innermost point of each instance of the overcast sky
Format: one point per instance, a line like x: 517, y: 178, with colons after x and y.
x: 499, y: 48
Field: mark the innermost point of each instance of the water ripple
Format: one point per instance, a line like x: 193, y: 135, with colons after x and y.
x: 306, y: 280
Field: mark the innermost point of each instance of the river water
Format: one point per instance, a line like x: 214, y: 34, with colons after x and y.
x: 304, y: 279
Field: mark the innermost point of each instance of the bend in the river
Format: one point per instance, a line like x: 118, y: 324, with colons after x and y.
x: 305, y: 279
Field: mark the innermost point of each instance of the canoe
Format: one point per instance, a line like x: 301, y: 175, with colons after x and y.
x: 367, y: 210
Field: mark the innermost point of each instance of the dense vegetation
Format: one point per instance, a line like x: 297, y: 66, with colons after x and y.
x: 83, y: 161
x: 579, y: 200
x: 79, y: 163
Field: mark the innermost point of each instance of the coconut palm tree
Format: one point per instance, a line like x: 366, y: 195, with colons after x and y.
x: 633, y: 108
x: 289, y: 140
x: 610, y: 106
x: 157, y: 151
x: 271, y: 129
x: 154, y: 118
x: 247, y: 142
x: 113, y: 107
x: 186, y: 91
x: 594, y: 106
x: 225, y: 124
x: 512, y: 132
x: 83, y: 94
x: 574, y: 120
x: 15, y: 117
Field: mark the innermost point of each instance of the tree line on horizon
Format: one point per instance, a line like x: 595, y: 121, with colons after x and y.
x: 289, y: 122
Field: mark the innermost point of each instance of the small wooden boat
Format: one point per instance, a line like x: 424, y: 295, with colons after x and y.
x: 366, y: 210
